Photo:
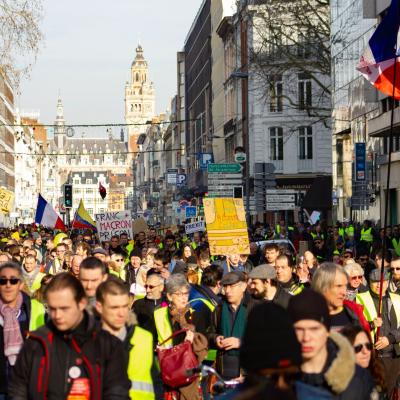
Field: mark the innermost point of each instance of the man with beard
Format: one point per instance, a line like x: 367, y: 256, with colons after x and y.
x: 264, y: 286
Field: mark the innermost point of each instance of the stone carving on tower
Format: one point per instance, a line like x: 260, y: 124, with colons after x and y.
x: 139, y: 99
x: 59, y: 126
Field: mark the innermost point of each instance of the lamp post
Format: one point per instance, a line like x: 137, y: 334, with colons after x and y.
x: 246, y: 139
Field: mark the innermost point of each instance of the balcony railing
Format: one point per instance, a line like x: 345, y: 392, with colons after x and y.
x: 278, y: 165
x: 305, y: 165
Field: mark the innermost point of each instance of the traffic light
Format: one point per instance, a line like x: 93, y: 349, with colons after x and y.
x: 68, y: 195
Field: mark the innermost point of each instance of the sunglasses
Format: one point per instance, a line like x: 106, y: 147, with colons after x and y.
x: 119, y: 259
x: 359, y: 347
x: 151, y: 287
x: 395, y: 269
x: 355, y: 277
x: 12, y: 281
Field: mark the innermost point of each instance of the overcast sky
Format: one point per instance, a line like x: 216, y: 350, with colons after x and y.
x: 89, y: 47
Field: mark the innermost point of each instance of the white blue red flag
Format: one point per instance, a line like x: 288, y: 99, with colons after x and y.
x: 47, y: 216
x: 378, y: 60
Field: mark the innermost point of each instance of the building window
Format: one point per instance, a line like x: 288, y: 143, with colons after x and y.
x: 305, y: 92
x: 275, y: 93
x: 76, y: 181
x: 305, y: 143
x: 89, y: 181
x: 89, y: 191
x: 276, y: 143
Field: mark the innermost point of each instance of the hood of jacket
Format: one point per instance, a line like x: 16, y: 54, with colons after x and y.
x: 343, y: 367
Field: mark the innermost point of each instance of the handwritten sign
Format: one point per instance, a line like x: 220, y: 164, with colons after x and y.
x: 114, y: 223
x: 195, y: 227
x: 6, y: 200
x: 226, y: 226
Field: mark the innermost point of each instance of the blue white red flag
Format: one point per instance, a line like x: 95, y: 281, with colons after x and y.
x: 378, y: 60
x: 47, y: 216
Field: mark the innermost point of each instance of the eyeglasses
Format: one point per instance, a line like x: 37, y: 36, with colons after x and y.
x: 395, y: 269
x: 355, y: 277
x: 151, y: 287
x: 359, y: 347
x: 181, y: 294
x: 11, y: 281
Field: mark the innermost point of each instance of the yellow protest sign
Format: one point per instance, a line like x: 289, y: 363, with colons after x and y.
x: 226, y: 226
x: 6, y: 200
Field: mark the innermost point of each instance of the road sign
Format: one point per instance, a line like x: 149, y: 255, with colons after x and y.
x: 280, y: 206
x: 205, y: 159
x: 191, y: 212
x: 280, y: 191
x: 224, y: 168
x: 276, y: 198
x: 180, y: 180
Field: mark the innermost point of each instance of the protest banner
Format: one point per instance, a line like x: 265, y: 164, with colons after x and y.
x: 114, y: 223
x: 198, y: 226
x: 226, y: 226
x: 6, y: 200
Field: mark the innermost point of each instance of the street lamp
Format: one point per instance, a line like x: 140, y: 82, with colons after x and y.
x: 245, y: 76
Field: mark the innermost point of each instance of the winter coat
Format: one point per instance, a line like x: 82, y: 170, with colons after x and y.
x: 340, y: 379
x: 101, y: 353
x: 23, y: 319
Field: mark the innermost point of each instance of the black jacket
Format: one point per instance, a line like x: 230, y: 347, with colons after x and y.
x: 42, y: 368
x: 215, y: 328
x: 23, y: 319
x: 144, y: 310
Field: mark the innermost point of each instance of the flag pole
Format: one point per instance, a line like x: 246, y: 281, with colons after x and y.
x: 387, y: 195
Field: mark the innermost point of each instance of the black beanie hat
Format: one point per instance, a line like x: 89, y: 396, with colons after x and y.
x: 309, y: 305
x: 269, y: 340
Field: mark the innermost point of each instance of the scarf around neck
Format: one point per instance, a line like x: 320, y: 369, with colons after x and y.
x: 13, y: 339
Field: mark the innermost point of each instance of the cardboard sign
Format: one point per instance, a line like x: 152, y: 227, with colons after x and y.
x: 226, y: 226
x: 114, y: 223
x: 195, y: 227
x: 6, y: 200
x: 139, y: 225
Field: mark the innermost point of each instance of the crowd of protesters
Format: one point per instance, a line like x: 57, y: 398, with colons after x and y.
x: 297, y: 318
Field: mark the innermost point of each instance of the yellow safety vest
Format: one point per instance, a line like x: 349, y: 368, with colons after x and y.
x: 342, y: 232
x: 139, y: 365
x: 37, y: 282
x: 366, y: 235
x: 350, y: 231
x: 163, y: 325
x: 396, y: 246
x: 315, y: 235
x: 194, y: 245
x: 212, y: 353
x: 37, y: 315
x: 370, y: 313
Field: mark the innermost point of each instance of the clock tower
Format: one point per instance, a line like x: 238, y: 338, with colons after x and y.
x: 139, y: 99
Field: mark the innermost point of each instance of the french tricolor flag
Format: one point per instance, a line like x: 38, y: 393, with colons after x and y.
x: 47, y: 216
x: 378, y: 60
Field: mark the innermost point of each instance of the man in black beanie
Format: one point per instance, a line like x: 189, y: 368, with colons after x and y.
x: 328, y: 367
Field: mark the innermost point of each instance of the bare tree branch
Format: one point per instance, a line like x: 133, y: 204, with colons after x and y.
x: 20, y: 37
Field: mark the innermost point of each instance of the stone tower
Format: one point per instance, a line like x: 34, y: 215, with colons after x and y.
x: 59, y: 126
x: 139, y: 99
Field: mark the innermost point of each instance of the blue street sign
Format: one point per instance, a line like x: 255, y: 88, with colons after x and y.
x: 205, y: 159
x: 180, y: 180
x: 191, y: 212
x: 360, y: 161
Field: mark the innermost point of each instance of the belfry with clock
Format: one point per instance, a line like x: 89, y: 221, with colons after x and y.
x: 139, y: 99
